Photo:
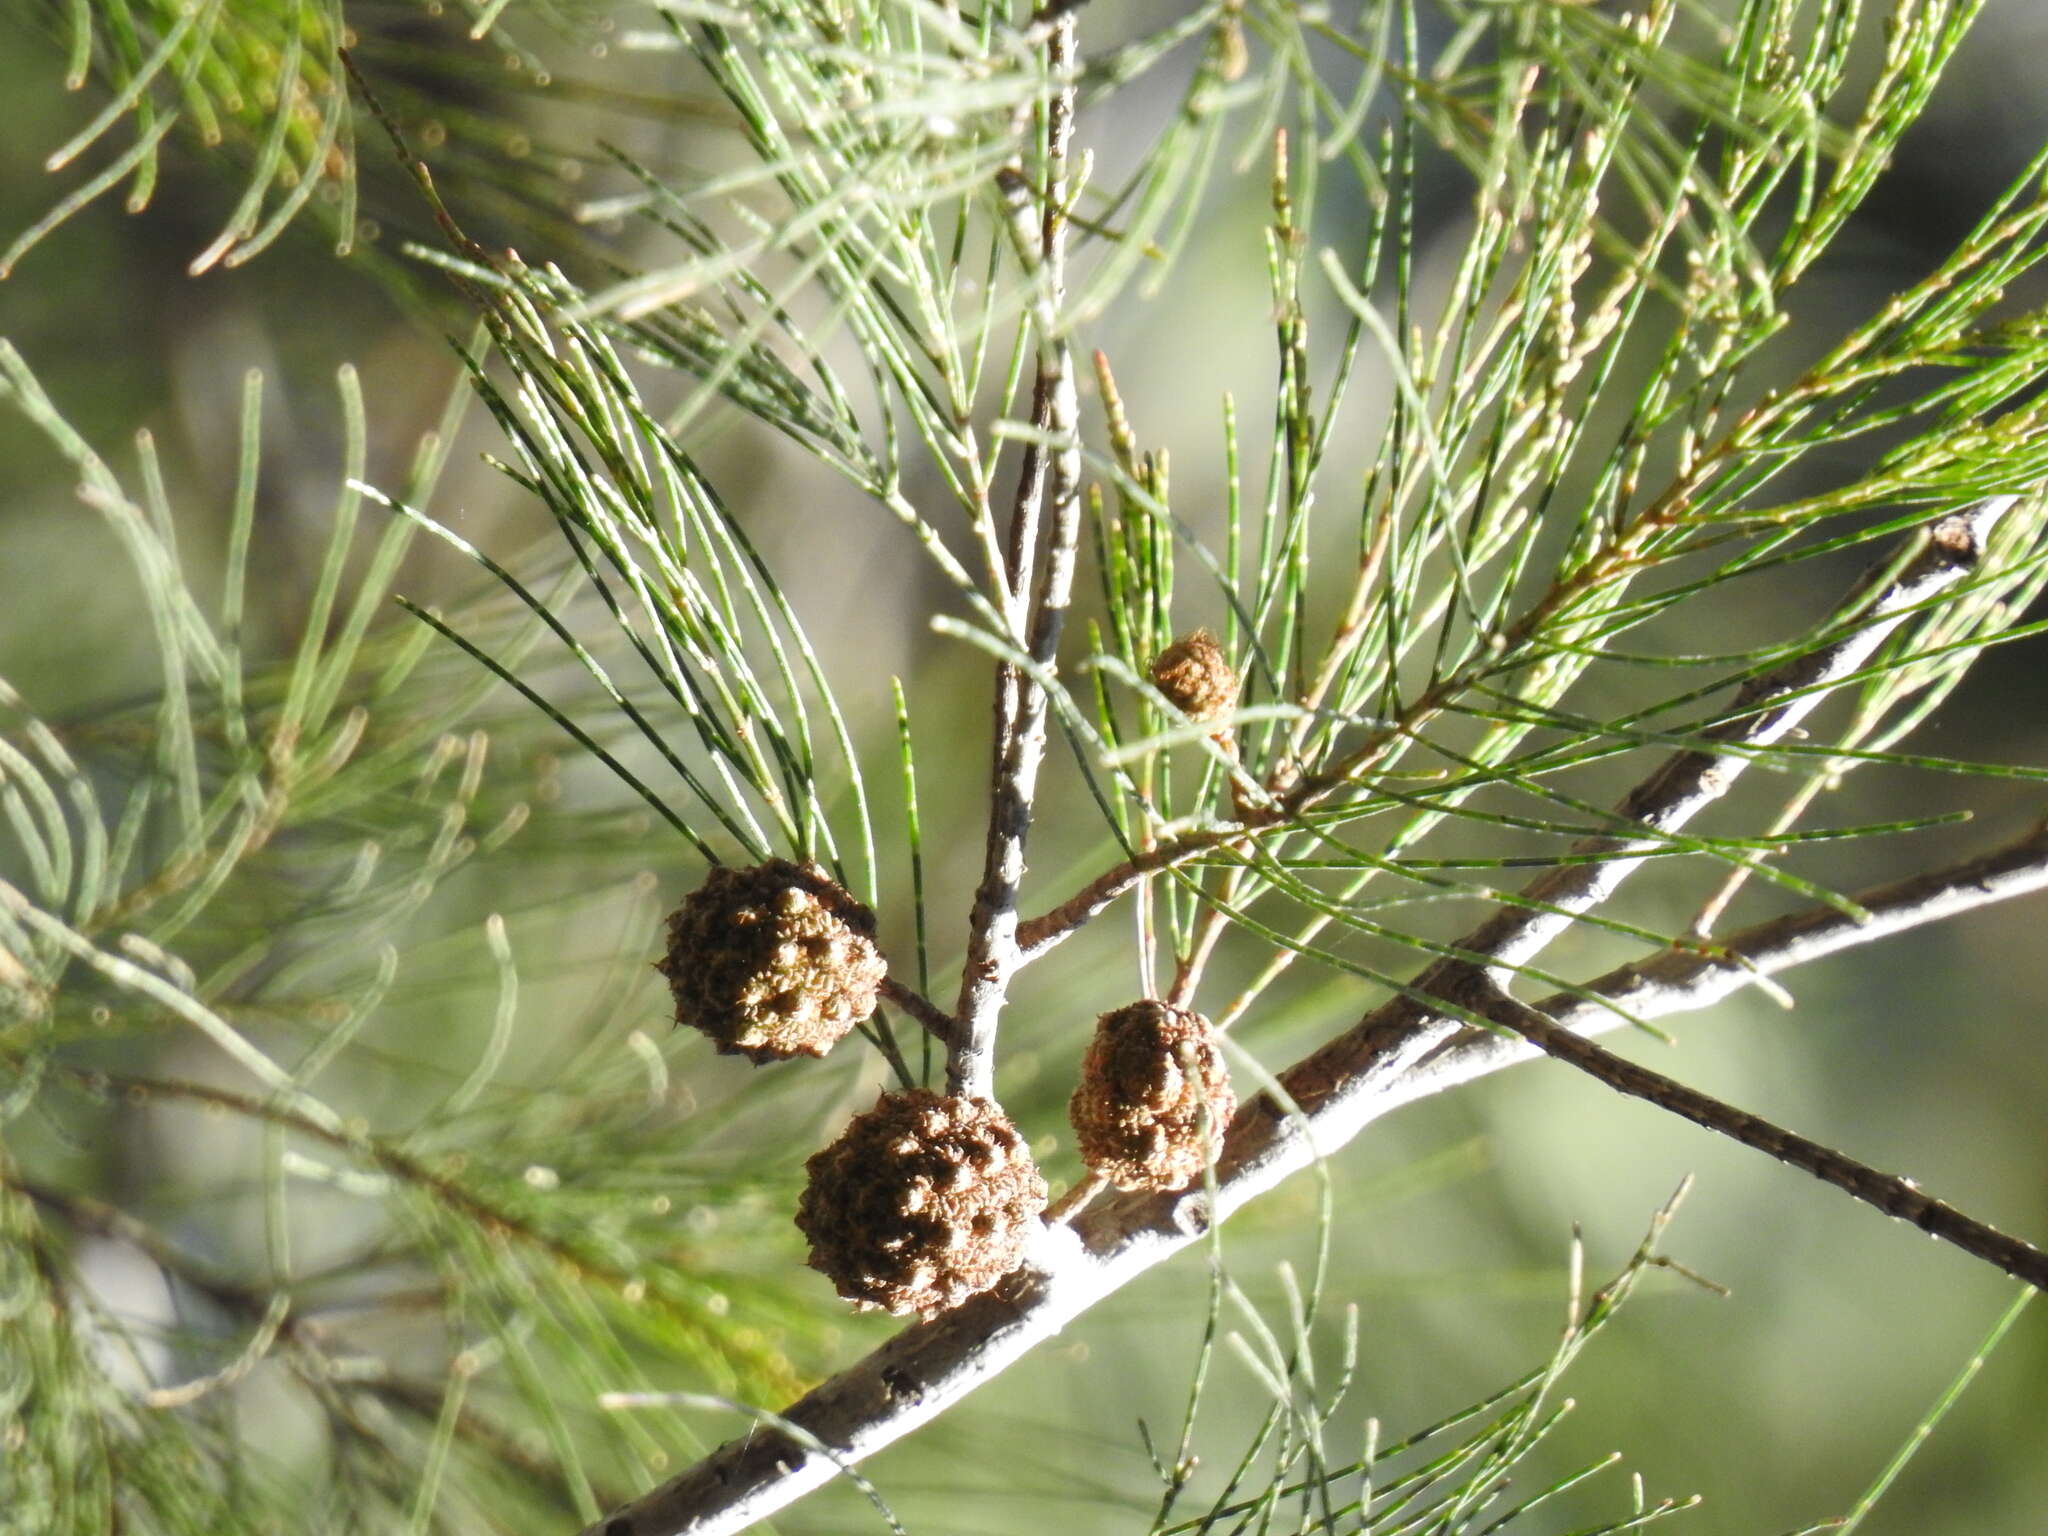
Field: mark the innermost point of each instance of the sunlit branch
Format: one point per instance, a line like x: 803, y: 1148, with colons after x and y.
x: 1048, y: 489
x: 928, y: 1367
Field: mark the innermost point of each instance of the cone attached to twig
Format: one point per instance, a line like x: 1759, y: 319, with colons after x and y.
x: 1154, y: 1097
x: 772, y: 962
x: 922, y: 1202
x: 1196, y: 677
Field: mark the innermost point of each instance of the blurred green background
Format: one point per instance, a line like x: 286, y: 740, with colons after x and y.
x: 1779, y: 1402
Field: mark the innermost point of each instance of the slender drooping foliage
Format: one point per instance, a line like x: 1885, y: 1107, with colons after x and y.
x: 1428, y: 681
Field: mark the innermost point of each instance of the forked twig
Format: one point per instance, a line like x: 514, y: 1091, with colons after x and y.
x: 928, y: 1367
x: 935, y: 1020
x: 1887, y: 1192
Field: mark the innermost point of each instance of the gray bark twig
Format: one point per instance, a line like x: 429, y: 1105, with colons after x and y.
x: 1887, y: 1192
x: 1683, y: 980
x: 993, y: 956
x: 934, y: 1019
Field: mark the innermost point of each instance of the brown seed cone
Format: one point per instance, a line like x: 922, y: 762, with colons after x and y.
x: 922, y: 1202
x: 1151, y: 1072
x: 1196, y: 677
x: 772, y: 962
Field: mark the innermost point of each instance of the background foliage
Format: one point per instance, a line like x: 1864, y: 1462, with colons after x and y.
x: 502, y: 1186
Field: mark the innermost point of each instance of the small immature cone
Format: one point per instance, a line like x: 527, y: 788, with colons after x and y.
x: 1196, y: 677
x: 1152, y: 1083
x: 772, y: 962
x: 922, y: 1202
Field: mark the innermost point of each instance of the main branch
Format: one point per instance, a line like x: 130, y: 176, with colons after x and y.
x: 928, y: 1367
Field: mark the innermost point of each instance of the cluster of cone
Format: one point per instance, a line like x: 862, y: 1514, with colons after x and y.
x: 927, y: 1199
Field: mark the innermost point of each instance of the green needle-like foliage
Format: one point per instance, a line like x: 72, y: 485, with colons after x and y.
x: 1504, y: 510
x: 245, y: 864
x: 262, y: 89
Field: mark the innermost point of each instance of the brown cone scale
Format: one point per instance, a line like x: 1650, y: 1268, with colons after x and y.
x: 922, y: 1202
x: 772, y: 962
x: 1196, y: 677
x: 1153, y: 1081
